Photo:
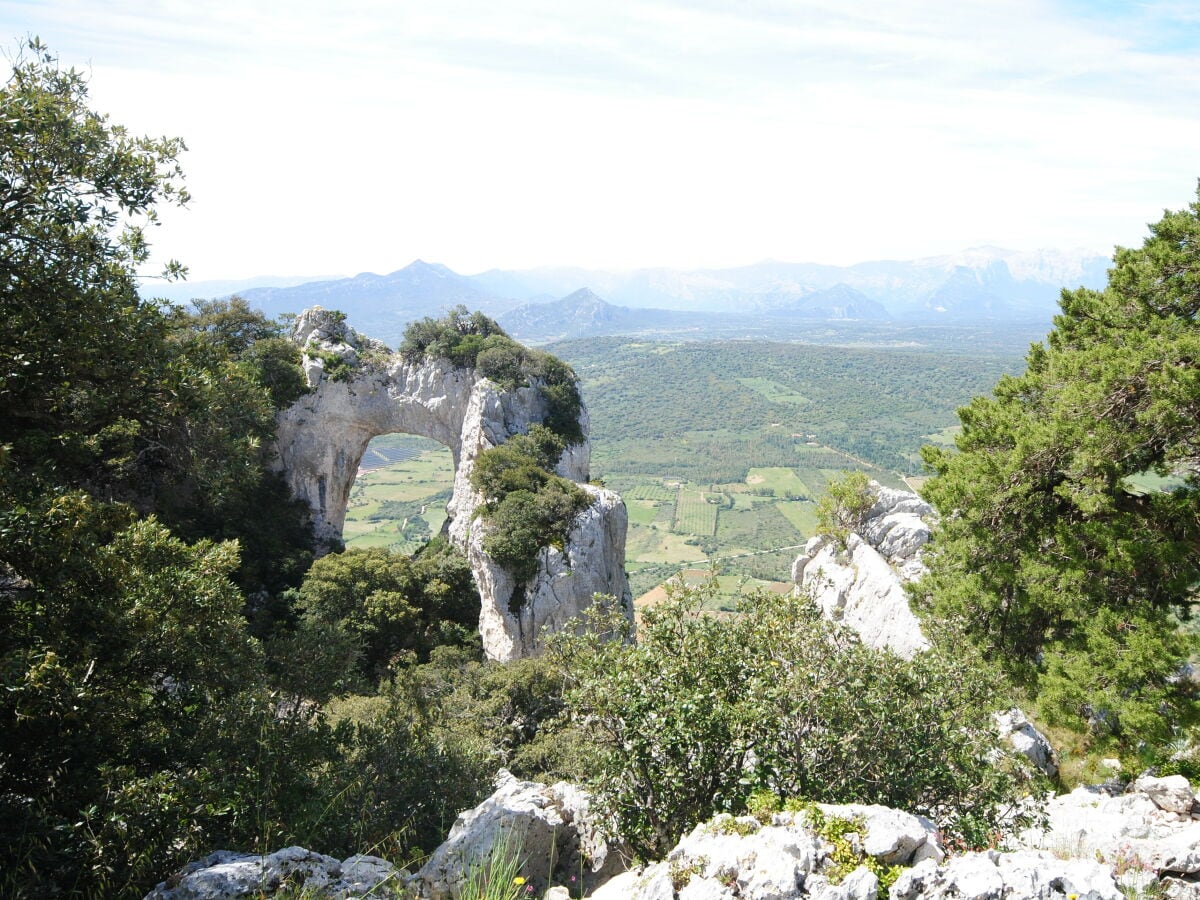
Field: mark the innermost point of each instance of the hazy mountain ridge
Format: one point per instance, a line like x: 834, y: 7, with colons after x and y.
x: 982, y: 284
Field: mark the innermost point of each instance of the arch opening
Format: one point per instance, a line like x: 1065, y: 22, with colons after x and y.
x: 399, y: 494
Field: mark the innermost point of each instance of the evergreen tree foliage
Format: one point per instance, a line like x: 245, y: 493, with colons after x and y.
x: 1054, y: 551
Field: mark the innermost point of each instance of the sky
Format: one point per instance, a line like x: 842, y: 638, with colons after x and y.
x: 330, y: 139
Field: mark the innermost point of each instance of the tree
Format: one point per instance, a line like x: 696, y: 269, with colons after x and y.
x: 1057, y: 550
x: 79, y: 350
x: 844, y: 506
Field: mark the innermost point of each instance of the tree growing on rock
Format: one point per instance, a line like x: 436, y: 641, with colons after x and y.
x: 1070, y: 515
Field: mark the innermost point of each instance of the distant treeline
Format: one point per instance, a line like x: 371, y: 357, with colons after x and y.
x: 708, y: 411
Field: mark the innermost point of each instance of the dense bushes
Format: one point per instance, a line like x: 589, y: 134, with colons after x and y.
x: 473, y: 340
x: 527, y: 506
x: 369, y: 612
x: 702, y: 711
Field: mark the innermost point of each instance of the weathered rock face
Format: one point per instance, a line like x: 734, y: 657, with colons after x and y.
x: 1148, y: 831
x: 322, y: 436
x: 225, y: 874
x: 862, y: 586
x: 550, y: 828
x: 729, y: 858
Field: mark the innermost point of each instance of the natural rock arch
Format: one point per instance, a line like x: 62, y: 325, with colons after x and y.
x: 321, y: 438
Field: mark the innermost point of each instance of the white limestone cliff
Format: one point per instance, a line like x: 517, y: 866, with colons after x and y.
x: 862, y: 584
x: 321, y: 438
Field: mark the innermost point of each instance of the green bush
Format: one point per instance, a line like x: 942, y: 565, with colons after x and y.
x: 526, y: 505
x: 472, y: 340
x: 702, y: 711
x: 384, y: 605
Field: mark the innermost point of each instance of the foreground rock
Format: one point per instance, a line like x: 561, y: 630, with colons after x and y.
x: 550, y: 829
x: 1145, y: 833
x: 1095, y: 846
x: 743, y: 858
x: 360, y: 390
x: 862, y: 585
x: 228, y: 875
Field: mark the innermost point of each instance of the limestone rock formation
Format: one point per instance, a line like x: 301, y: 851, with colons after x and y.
x: 359, y: 390
x: 1027, y: 740
x: 551, y: 828
x: 785, y: 858
x: 225, y: 874
x: 862, y: 585
x: 1144, y: 833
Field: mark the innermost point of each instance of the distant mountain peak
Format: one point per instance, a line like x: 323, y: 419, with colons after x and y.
x: 585, y: 295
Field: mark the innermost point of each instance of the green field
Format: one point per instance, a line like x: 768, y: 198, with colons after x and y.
x: 401, y: 505
x: 774, y: 391
x: 780, y: 482
x: 695, y: 513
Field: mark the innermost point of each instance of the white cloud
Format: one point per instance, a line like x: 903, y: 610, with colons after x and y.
x: 633, y: 133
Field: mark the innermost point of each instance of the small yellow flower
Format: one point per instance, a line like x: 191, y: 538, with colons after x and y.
x: 519, y: 880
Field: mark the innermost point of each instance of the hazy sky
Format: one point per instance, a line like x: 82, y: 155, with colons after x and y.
x: 337, y: 138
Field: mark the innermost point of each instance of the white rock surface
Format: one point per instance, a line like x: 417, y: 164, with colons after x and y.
x: 321, y: 439
x: 1172, y: 793
x: 862, y: 585
x: 1027, y: 740
x: 1129, y: 831
x: 551, y: 826
x: 225, y: 874
x: 1024, y: 875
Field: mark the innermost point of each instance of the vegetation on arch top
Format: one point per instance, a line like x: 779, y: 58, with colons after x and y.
x: 472, y: 340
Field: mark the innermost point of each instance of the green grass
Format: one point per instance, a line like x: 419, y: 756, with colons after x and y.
x: 694, y: 514
x: 802, y: 514
x: 774, y: 392
x: 784, y: 482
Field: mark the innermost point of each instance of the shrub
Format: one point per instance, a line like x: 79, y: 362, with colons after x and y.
x: 472, y: 340
x: 527, y: 505
x: 702, y: 710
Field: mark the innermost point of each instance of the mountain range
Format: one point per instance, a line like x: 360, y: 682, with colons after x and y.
x: 980, y: 285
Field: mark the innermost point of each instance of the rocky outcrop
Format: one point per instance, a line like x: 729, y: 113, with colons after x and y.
x: 862, y: 583
x: 1027, y: 740
x: 1093, y: 845
x: 550, y: 829
x: 358, y: 390
x: 225, y: 874
x: 784, y: 858
x: 1146, y: 833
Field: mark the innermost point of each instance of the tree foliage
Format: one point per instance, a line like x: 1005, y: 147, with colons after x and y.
x: 702, y: 711
x: 475, y: 341
x: 1053, y: 551
x: 387, y: 606
x: 526, y: 505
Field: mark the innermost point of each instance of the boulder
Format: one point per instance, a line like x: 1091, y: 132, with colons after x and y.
x: 320, y: 440
x: 550, y: 829
x: 731, y: 857
x: 1023, y: 875
x: 1171, y: 794
x: 225, y: 874
x: 1027, y: 740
